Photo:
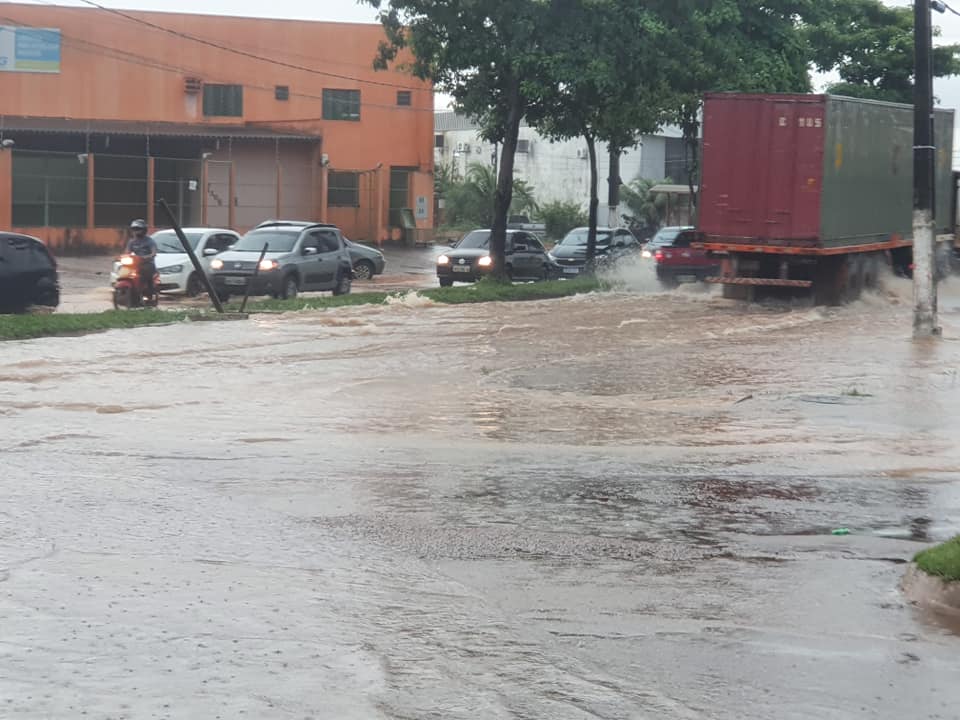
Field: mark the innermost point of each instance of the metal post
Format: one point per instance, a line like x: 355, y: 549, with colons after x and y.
x: 188, y: 248
x: 924, y: 154
x: 151, y: 191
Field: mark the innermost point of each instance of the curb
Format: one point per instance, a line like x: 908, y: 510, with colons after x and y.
x: 930, y: 590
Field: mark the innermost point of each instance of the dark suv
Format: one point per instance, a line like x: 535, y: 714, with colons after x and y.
x: 28, y: 274
x: 299, y: 258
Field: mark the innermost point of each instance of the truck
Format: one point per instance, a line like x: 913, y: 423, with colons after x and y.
x: 813, y: 194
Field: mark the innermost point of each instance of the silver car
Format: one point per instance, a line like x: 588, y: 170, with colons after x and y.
x: 299, y: 258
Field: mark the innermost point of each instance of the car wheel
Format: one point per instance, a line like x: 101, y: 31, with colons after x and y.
x: 290, y: 288
x: 446, y: 282
x: 363, y: 270
x: 343, y: 284
x: 194, y: 286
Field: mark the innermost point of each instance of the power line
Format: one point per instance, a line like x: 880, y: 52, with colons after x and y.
x: 244, y: 53
x: 152, y: 63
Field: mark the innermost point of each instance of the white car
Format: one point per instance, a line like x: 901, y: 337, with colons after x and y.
x: 177, y: 275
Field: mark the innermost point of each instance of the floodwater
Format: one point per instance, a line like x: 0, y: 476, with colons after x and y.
x: 617, y: 505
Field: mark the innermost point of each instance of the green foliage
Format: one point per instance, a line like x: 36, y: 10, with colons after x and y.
x: 20, y: 327
x: 561, y: 217
x: 870, y: 46
x: 942, y: 560
x: 469, y: 202
x: 645, y: 210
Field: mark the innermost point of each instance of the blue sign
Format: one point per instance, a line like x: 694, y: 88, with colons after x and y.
x: 29, y: 50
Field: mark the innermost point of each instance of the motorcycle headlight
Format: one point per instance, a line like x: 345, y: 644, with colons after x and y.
x: 216, y: 264
x: 170, y: 270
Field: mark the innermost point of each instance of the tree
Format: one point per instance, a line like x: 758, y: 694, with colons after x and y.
x: 598, y: 84
x: 469, y: 201
x: 728, y: 45
x: 646, y: 210
x: 870, y: 46
x: 487, y: 56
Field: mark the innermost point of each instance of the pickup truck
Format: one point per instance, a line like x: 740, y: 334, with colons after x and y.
x: 683, y: 258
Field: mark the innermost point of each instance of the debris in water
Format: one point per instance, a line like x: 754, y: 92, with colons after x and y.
x: 841, y: 531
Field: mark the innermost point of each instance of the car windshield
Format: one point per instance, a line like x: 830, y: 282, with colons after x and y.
x: 578, y: 238
x: 666, y: 236
x: 168, y: 242
x: 478, y: 239
x: 278, y: 240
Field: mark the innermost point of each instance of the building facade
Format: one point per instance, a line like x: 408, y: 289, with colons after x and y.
x: 559, y: 171
x: 229, y: 120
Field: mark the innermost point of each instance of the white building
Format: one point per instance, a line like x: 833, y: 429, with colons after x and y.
x: 559, y: 171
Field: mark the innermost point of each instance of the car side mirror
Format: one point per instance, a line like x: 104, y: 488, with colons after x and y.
x: 452, y: 243
x: 207, y: 252
x: 310, y: 251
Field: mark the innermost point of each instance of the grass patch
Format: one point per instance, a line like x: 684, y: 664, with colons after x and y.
x: 486, y: 290
x: 856, y: 392
x: 24, y: 327
x: 942, y: 560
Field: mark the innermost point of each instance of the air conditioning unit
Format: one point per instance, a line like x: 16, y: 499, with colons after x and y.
x: 463, y: 147
x: 523, y: 146
x: 192, y: 85
x: 583, y: 154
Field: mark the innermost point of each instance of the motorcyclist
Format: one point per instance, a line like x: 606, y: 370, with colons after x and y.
x: 143, y: 246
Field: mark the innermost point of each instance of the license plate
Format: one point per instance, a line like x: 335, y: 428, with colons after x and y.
x: 457, y: 268
x: 235, y: 281
x: 571, y: 271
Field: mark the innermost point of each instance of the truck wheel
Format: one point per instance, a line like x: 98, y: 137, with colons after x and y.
x: 446, y: 282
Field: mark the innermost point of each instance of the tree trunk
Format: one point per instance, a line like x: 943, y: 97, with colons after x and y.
x: 594, y: 199
x: 613, y: 198
x: 691, y: 143
x: 504, y: 194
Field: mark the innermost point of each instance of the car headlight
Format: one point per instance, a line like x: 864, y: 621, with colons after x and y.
x: 170, y: 270
x: 646, y: 254
x: 268, y: 265
x: 485, y: 261
x: 216, y: 264
x: 443, y: 260
x: 551, y: 257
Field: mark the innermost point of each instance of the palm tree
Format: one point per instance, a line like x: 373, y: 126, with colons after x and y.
x: 470, y: 201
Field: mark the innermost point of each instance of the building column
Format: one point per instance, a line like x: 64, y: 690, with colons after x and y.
x: 6, y: 188
x: 232, y: 208
x: 324, y: 192
x: 381, y: 219
x: 204, y: 191
x: 279, y: 186
x: 151, y: 190
x: 91, y: 193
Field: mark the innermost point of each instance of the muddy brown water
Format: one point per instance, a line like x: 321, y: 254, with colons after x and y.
x: 610, y: 506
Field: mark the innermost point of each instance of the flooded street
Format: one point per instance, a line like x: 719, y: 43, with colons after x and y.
x: 617, y: 505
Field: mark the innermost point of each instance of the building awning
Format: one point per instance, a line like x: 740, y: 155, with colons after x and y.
x: 156, y: 129
x: 673, y: 189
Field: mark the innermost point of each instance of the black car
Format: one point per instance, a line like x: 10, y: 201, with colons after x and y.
x: 469, y: 260
x: 28, y: 274
x: 612, y: 244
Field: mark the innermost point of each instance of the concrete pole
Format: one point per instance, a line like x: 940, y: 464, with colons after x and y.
x: 924, y: 154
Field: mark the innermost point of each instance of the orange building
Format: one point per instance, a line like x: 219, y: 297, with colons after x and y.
x: 230, y: 120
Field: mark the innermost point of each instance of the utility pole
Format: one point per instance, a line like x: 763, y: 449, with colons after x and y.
x: 924, y: 157
x: 613, y: 197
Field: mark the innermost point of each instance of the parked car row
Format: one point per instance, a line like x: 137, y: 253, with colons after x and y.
x: 301, y: 256
x: 671, y: 251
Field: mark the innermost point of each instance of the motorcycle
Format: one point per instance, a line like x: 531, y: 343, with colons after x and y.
x: 130, y: 287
